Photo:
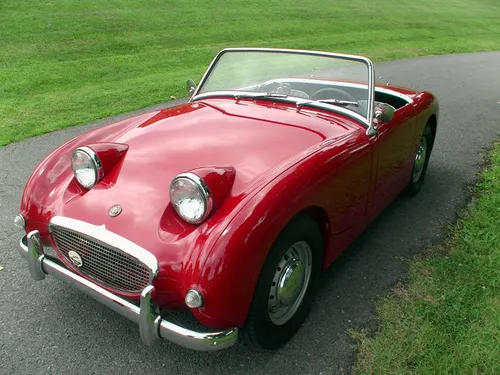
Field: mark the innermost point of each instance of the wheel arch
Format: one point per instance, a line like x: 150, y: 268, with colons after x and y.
x: 432, y: 121
x: 320, y: 217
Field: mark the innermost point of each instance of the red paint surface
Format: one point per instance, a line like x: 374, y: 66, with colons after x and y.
x: 263, y: 162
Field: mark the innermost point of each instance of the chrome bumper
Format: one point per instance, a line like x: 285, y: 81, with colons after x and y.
x: 151, y: 325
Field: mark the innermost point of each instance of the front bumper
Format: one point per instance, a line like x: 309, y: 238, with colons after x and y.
x: 151, y: 325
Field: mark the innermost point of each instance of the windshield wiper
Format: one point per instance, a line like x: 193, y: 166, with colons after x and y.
x: 327, y: 101
x: 336, y: 101
x: 299, y: 103
x: 259, y: 95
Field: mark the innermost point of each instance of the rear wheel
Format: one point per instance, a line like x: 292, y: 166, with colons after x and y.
x: 420, y: 163
x: 286, y: 285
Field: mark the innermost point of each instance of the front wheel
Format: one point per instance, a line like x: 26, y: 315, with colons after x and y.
x: 286, y: 285
x: 420, y: 163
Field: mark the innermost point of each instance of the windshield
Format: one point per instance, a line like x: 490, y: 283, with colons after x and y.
x: 303, y: 77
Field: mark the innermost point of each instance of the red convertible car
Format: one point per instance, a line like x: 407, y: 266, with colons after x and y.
x: 231, y: 204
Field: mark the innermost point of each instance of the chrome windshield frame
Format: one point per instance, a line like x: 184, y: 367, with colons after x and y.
x: 368, y: 121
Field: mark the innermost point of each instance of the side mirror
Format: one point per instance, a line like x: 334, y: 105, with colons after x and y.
x: 190, y: 86
x: 384, y: 113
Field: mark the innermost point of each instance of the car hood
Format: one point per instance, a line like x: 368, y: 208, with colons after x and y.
x: 246, y: 136
x: 260, y: 140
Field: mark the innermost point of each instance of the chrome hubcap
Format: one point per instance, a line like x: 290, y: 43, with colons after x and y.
x: 290, y: 283
x: 418, y: 165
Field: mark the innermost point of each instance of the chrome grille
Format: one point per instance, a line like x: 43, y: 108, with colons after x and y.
x: 102, y: 262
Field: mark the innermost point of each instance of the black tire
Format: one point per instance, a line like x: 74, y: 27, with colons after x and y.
x: 259, y: 329
x: 416, y: 181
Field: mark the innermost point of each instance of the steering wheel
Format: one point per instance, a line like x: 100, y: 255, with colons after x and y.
x: 333, y: 93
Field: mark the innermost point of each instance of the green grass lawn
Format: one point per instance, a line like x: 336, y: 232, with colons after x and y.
x: 447, y: 319
x: 67, y: 62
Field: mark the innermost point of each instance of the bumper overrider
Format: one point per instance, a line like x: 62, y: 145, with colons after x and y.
x: 152, y: 326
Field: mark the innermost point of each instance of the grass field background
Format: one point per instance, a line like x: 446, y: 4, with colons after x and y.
x: 66, y: 62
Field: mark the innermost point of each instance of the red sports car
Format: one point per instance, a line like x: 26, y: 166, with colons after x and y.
x: 232, y: 204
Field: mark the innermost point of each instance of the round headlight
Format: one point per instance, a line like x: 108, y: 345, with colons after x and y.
x: 87, y: 167
x: 190, y: 197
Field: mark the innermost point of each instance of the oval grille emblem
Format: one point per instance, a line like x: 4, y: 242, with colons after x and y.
x: 75, y: 258
x: 115, y: 210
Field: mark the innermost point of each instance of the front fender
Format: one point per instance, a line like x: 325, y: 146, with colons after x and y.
x: 334, y: 179
x: 231, y: 270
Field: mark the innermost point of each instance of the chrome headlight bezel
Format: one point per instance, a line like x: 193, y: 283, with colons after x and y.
x: 203, y: 191
x: 94, y: 161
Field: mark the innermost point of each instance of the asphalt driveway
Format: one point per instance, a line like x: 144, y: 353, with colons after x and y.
x: 50, y: 328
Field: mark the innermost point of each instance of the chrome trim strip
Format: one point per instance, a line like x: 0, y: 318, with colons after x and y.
x: 151, y: 325
x: 102, y: 234
x: 371, y: 75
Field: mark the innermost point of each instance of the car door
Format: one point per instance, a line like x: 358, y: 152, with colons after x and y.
x: 392, y: 159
